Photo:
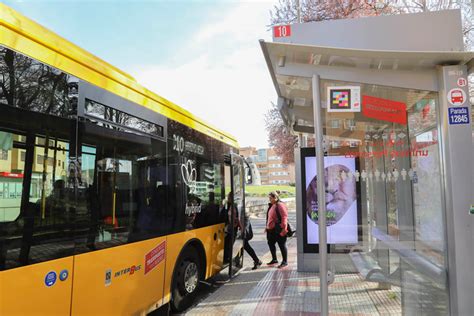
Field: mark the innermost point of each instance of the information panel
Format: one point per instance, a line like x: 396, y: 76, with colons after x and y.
x: 458, y: 115
x: 342, y: 205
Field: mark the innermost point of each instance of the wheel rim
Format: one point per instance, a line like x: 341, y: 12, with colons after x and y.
x: 191, y: 277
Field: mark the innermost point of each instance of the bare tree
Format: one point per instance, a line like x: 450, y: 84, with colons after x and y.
x: 313, y: 10
x: 278, y: 138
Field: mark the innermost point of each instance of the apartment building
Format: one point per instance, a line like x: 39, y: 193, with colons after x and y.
x: 270, y: 165
x: 48, y: 166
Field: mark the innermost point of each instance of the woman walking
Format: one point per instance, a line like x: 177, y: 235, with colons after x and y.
x: 248, y: 235
x: 277, y: 221
x: 227, y: 211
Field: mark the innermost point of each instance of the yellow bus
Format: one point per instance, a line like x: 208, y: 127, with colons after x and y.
x: 110, y: 195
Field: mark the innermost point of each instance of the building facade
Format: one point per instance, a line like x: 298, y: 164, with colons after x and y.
x: 50, y: 164
x: 270, y: 165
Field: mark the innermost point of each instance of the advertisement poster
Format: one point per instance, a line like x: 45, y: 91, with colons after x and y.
x: 341, y: 200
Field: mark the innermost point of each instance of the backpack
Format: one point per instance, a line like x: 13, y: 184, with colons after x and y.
x: 290, y: 231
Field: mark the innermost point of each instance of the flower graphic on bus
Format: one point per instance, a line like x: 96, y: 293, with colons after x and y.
x: 189, y: 174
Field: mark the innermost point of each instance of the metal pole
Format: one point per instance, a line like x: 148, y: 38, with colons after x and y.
x: 318, y: 134
x: 298, y: 11
x: 231, y: 221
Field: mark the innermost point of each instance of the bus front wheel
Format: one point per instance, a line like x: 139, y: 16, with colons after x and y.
x: 185, y: 280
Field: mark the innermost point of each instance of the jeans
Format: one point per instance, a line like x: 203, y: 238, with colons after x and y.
x: 250, y: 251
x: 272, y: 239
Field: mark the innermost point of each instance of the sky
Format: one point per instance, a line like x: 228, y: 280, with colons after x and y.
x: 202, y: 55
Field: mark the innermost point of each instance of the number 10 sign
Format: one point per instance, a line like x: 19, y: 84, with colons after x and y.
x: 282, y: 31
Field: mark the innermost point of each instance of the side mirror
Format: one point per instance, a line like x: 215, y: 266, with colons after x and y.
x: 248, y: 172
x: 227, y: 159
x: 248, y: 178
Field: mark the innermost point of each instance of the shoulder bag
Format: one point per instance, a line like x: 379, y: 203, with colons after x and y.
x: 290, y: 231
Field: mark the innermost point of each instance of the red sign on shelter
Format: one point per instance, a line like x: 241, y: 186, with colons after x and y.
x: 383, y: 109
x: 282, y: 31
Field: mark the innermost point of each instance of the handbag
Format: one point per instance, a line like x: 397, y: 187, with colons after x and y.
x: 290, y: 231
x: 249, y: 232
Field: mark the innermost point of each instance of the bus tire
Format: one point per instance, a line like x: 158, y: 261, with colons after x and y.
x: 185, y: 280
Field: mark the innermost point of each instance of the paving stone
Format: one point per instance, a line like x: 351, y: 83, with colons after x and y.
x: 270, y: 291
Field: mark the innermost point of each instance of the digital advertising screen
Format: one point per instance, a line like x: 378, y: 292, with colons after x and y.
x: 342, y: 205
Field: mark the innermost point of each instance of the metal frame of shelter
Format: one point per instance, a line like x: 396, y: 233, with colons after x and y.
x: 307, y: 64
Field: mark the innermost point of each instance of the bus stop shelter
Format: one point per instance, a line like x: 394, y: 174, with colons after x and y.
x: 391, y: 119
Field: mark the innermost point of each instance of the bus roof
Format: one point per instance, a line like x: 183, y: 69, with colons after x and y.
x: 28, y: 37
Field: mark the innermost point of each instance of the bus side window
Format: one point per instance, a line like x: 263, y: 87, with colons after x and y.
x: 36, y: 203
x: 124, y: 177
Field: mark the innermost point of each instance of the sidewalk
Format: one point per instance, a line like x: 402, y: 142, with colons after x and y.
x: 272, y: 291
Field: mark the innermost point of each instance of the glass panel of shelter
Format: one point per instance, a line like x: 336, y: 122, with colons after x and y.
x: 385, y: 213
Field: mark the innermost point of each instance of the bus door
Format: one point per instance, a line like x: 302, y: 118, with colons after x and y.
x: 121, y: 214
x: 237, y: 214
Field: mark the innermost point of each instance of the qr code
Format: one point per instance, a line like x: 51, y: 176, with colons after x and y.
x: 340, y: 99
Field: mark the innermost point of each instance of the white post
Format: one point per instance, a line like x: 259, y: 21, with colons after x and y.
x: 318, y: 134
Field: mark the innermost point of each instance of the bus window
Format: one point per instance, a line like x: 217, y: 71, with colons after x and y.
x: 36, y: 206
x: 196, y: 163
x: 222, y: 181
x: 10, y: 176
x: 124, y: 185
x: 37, y: 87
